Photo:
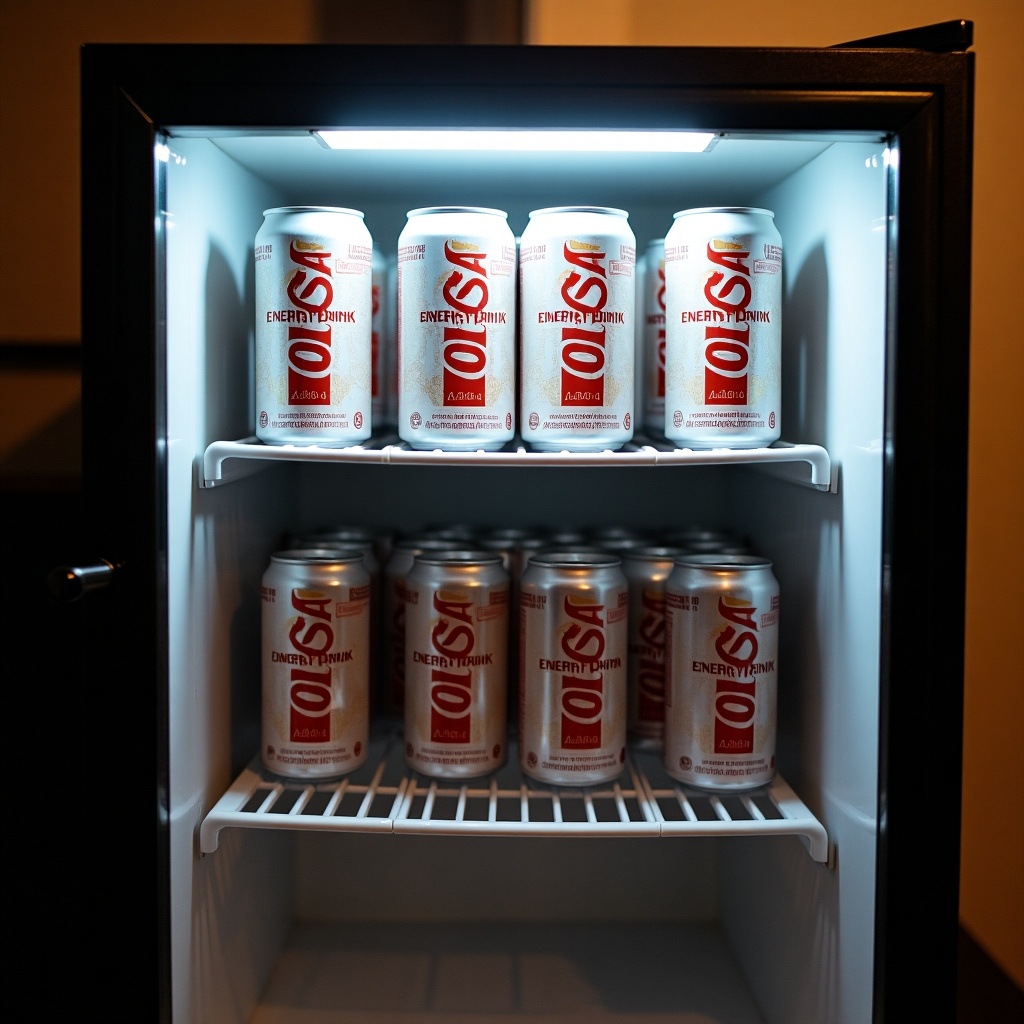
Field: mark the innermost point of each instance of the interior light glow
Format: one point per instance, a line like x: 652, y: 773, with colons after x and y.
x: 518, y: 140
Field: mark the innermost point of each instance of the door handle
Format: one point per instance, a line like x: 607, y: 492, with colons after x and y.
x: 72, y: 582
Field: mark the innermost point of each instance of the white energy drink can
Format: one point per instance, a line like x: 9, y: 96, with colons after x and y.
x: 315, y: 662
x: 378, y: 340
x: 456, y: 671
x: 314, y: 299
x: 721, y: 671
x: 653, y: 342
x: 577, y: 312
x: 723, y: 331
x: 647, y: 569
x: 640, y: 281
x: 391, y: 342
x: 574, y: 608
x: 456, y: 329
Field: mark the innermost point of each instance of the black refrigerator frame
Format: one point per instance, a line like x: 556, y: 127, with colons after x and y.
x: 132, y: 94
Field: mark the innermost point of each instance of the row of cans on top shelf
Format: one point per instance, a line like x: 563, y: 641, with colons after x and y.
x: 564, y: 335
x: 582, y: 646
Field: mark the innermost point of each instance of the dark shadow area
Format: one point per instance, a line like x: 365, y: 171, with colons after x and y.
x: 985, y: 993
x: 413, y: 21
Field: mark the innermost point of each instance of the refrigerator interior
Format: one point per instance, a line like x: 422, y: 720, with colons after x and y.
x: 293, y: 921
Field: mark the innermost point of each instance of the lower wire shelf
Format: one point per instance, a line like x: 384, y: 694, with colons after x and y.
x: 384, y: 795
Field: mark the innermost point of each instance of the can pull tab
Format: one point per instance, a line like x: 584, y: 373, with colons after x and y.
x: 71, y: 582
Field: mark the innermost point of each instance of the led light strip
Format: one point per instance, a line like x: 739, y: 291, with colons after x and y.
x: 518, y: 140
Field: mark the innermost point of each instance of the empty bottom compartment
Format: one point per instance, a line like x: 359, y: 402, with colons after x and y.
x: 669, y: 973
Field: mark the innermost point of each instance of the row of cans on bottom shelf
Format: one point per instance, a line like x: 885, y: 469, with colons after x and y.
x: 657, y: 647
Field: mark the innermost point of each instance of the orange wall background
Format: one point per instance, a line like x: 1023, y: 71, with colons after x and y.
x: 39, y: 202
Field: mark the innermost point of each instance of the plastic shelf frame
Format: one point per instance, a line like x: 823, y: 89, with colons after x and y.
x: 384, y: 796
x: 226, y: 461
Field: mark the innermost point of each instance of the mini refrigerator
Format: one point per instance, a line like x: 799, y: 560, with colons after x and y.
x: 829, y: 896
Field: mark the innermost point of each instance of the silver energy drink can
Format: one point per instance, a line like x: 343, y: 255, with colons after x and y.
x: 456, y: 329
x: 393, y: 588
x: 578, y: 304
x: 313, y: 327
x: 653, y: 317
x: 456, y: 671
x: 367, y: 543
x: 315, y: 662
x: 723, y: 329
x: 647, y: 569
x: 721, y: 671
x: 574, y: 608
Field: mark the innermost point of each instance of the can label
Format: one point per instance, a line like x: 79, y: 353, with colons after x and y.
x: 313, y: 327
x: 654, y: 338
x: 723, y: 278
x: 647, y: 662
x: 455, y: 675
x: 721, y: 667
x: 378, y: 349
x: 578, y: 306
x: 456, y: 302
x: 315, y: 719
x: 572, y: 698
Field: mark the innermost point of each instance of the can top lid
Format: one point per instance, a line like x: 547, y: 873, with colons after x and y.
x: 424, y: 210
x: 459, y: 556
x: 319, y: 555
x: 424, y: 542
x: 711, y: 560
x: 655, y: 553
x: 314, y: 209
x: 575, y: 558
x: 723, y: 209
x: 609, y: 210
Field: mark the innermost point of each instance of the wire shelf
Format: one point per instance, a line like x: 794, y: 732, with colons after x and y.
x: 383, y: 795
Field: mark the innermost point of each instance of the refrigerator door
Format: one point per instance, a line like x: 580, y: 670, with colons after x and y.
x: 864, y: 154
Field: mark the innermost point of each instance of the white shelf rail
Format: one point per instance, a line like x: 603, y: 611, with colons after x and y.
x: 226, y: 461
x: 383, y: 795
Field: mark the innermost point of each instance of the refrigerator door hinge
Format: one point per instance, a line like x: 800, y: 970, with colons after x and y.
x: 945, y: 37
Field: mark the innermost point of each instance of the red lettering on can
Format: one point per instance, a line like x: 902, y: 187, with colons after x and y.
x: 735, y: 698
x: 727, y: 349
x: 375, y: 381
x: 464, y: 351
x: 651, y: 673
x: 309, y: 349
x: 582, y: 352
x: 309, y: 691
x: 582, y: 697
x: 451, y: 692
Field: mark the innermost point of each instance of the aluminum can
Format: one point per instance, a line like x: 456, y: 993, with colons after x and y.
x: 456, y: 671
x: 578, y: 306
x: 313, y: 327
x: 456, y: 329
x: 640, y: 282
x: 315, y: 662
x: 723, y: 328
x: 391, y: 342
x: 393, y: 588
x: 721, y: 694
x: 378, y: 340
x: 574, y: 608
x: 362, y: 540
x: 700, y: 541
x: 647, y: 569
x: 653, y: 343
